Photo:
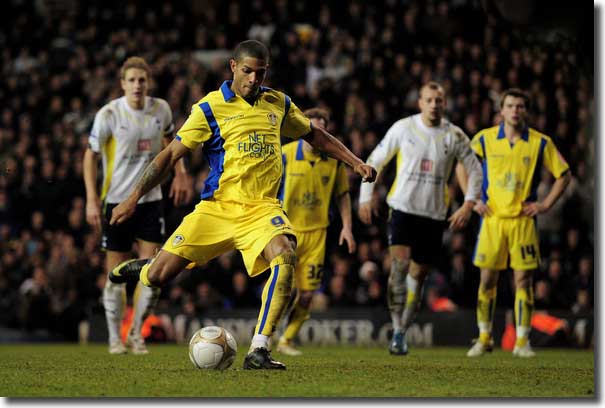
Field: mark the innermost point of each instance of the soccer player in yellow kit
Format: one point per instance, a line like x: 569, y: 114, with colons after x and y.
x: 239, y: 126
x: 512, y: 156
x: 311, y: 179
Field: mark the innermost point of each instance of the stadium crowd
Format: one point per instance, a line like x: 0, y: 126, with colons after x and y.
x: 364, y: 63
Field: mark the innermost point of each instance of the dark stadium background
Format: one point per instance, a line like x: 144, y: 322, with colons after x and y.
x: 362, y: 61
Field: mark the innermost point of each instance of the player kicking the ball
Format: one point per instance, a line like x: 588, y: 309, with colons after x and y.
x: 239, y: 126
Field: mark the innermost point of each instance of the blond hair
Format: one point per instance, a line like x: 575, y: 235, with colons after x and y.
x: 435, y: 86
x: 135, y: 62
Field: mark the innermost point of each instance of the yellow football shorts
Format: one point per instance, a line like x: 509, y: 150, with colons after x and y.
x: 310, y: 252
x: 500, y: 237
x: 214, y: 228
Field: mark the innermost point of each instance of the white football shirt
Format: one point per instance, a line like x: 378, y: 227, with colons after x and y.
x: 425, y: 158
x: 128, y: 140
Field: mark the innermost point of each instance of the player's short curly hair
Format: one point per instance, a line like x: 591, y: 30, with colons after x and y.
x: 251, y: 48
x: 517, y: 93
x: 135, y: 62
x: 318, y: 113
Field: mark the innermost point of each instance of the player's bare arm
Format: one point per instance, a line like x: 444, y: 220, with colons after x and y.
x: 461, y: 177
x: 322, y: 140
x: 346, y: 234
x: 154, y: 174
x: 533, y: 208
x: 478, y: 206
x: 93, y: 202
x: 369, y: 209
x: 181, y: 188
x: 460, y: 217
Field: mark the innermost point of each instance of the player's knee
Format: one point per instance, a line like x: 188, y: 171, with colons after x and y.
x: 522, y: 282
x: 399, y: 266
x: 489, y: 279
x: 285, y: 256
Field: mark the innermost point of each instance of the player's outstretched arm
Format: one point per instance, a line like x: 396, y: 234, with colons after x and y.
x: 322, y: 140
x: 153, y: 175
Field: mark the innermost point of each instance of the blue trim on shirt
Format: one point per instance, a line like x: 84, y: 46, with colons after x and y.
x: 282, y: 183
x: 228, y: 94
x: 214, y: 152
x: 300, y: 155
x: 535, y: 180
x: 287, y: 103
x: 268, y: 300
x: 524, y: 134
x: 485, y: 183
x: 177, y: 137
x: 501, y: 134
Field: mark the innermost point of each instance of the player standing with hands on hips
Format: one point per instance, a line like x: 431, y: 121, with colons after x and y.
x: 427, y: 146
x: 513, y: 155
x: 239, y: 126
x: 128, y: 133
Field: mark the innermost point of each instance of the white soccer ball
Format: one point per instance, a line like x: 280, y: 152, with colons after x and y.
x: 212, y: 347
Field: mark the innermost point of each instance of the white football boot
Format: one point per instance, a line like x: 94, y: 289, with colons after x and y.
x: 136, y: 343
x: 286, y: 347
x: 480, y: 348
x: 117, y: 348
x: 524, y: 351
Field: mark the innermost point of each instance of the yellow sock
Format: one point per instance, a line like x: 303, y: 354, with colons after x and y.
x: 296, y: 319
x: 524, y: 307
x: 486, y: 306
x: 276, y: 293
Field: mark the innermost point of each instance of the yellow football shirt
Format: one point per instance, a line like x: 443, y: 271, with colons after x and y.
x: 242, y: 142
x: 310, y: 180
x: 511, y: 174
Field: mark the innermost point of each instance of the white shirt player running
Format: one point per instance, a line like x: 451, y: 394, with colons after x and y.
x: 425, y: 158
x: 128, y: 140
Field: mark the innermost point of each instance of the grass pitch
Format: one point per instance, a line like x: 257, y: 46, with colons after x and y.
x: 69, y: 370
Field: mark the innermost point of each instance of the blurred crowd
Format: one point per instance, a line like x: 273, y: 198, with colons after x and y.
x: 362, y: 61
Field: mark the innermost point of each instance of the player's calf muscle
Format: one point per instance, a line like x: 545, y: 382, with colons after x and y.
x: 165, y: 268
x: 305, y: 299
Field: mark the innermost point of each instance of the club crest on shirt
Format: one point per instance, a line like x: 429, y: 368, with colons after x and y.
x: 526, y: 160
x: 426, y: 165
x: 144, y: 145
x: 178, y: 240
x: 272, y: 118
x: 325, y: 179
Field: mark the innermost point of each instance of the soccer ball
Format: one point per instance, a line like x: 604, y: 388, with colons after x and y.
x: 212, y: 347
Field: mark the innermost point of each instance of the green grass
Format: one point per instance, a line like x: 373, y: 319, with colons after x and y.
x: 68, y: 370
